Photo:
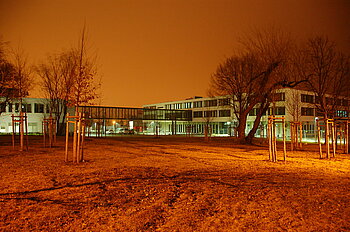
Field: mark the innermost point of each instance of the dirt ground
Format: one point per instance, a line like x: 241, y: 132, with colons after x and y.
x: 171, y: 184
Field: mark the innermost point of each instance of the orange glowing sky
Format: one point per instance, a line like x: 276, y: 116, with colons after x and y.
x: 160, y: 50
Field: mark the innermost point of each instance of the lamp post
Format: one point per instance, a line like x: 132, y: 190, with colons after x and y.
x: 114, y: 123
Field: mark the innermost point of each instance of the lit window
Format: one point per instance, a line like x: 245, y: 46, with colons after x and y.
x: 197, y: 104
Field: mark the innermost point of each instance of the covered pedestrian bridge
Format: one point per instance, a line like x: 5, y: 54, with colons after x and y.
x: 103, y: 120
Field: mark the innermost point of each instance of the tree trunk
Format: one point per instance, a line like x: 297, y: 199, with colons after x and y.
x: 241, y: 127
x: 261, y: 112
x: 61, y: 124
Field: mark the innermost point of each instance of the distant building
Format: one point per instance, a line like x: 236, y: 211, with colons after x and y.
x: 35, y: 108
x: 293, y: 104
x: 188, y: 116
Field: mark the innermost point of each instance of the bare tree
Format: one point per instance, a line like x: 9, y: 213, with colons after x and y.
x: 327, y: 71
x: 208, y: 116
x: 238, y: 77
x: 7, y: 73
x: 57, y: 78
x: 293, y: 105
x: 86, y: 83
x: 23, y: 73
x: 69, y: 79
x: 15, y: 74
x: 251, y: 77
x: 22, y: 79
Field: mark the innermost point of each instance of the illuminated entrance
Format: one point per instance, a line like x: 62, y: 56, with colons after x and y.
x: 127, y: 121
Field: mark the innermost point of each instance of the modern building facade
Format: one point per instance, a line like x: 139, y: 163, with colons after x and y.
x: 189, y: 116
x: 217, y: 112
x: 99, y: 119
x: 125, y: 120
x: 36, y: 110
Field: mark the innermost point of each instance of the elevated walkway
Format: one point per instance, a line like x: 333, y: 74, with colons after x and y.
x: 125, y: 113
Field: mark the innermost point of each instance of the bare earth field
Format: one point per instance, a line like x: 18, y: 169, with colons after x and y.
x: 171, y: 184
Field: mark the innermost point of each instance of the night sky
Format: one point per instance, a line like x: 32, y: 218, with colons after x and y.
x: 156, y: 51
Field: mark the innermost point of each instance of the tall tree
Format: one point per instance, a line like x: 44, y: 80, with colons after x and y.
x: 15, y: 74
x: 238, y: 77
x: 85, y: 82
x: 327, y: 71
x: 23, y: 80
x: 7, y: 73
x: 251, y: 77
x: 69, y: 79
x: 57, y: 78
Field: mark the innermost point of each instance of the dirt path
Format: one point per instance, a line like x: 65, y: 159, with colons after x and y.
x: 171, y: 184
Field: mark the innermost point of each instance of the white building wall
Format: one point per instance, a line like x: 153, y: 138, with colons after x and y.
x: 34, y: 119
x: 292, y: 97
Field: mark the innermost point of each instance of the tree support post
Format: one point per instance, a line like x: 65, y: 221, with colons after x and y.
x: 78, y: 122
x: 272, y: 137
x: 23, y: 128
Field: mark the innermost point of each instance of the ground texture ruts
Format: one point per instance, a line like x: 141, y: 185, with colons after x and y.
x: 171, y: 184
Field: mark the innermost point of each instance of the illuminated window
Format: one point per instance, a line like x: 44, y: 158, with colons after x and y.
x: 187, y: 105
x: 341, y: 113
x: 197, y: 104
x: 177, y: 106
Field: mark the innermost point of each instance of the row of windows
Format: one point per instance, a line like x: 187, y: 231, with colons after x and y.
x: 211, y: 113
x: 199, y: 104
x: 278, y: 97
x: 38, y: 108
x: 341, y: 113
x: 329, y: 101
x: 306, y: 98
x: 336, y: 101
x: 209, y: 103
x: 305, y: 111
x: 278, y: 111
